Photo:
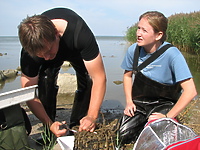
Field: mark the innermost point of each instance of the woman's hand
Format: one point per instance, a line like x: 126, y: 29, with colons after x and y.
x: 130, y: 109
x: 87, y: 123
x: 55, y: 128
x: 156, y: 115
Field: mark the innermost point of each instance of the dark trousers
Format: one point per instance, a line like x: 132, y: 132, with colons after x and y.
x: 149, y: 96
x: 48, y: 89
x: 130, y: 127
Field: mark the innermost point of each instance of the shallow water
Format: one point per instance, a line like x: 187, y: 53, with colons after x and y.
x: 112, y: 49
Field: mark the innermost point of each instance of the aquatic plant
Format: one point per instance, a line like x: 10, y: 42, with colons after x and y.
x: 48, y: 138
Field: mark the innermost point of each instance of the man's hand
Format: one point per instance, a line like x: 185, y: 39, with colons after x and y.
x: 87, y: 123
x: 55, y: 128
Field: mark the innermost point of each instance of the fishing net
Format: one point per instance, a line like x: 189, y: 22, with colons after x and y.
x: 104, y: 137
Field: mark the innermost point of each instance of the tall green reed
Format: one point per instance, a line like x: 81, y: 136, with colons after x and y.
x: 183, y: 31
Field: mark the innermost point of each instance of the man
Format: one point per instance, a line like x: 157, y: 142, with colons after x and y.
x: 49, y: 39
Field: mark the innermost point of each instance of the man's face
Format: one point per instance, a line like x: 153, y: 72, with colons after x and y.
x: 51, y: 50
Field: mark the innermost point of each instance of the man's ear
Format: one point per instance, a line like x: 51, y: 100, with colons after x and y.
x: 159, y: 35
x: 57, y: 33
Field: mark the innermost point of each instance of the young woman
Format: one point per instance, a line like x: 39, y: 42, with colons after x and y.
x: 163, y: 88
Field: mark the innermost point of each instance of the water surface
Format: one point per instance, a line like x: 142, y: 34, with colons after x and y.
x: 112, y: 49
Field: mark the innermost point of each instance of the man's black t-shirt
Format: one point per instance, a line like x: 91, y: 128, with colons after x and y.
x: 77, y: 40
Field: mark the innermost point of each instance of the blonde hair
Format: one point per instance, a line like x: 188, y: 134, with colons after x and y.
x: 158, y: 21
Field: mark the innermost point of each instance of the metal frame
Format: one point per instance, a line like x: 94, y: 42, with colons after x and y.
x: 17, y: 96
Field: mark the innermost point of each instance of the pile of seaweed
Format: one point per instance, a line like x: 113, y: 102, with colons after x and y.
x: 103, y: 138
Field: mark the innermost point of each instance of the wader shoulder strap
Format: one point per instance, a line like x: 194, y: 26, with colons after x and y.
x: 153, y: 57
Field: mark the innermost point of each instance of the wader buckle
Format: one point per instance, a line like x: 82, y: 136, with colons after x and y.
x: 3, y: 126
x: 135, y: 72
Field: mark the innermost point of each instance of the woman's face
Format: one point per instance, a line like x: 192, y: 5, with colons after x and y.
x: 146, y: 36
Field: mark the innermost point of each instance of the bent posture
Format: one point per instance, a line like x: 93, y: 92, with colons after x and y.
x: 49, y: 39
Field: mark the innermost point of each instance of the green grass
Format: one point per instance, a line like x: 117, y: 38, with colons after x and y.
x: 49, y: 139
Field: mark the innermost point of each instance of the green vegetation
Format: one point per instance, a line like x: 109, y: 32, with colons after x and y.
x: 49, y: 139
x: 131, y: 33
x: 183, y: 32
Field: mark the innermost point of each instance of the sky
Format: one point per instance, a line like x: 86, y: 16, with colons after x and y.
x: 104, y: 17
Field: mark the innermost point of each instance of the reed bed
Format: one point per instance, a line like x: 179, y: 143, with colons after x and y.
x: 183, y: 32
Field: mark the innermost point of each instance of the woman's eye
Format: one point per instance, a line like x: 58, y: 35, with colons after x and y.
x: 144, y: 30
